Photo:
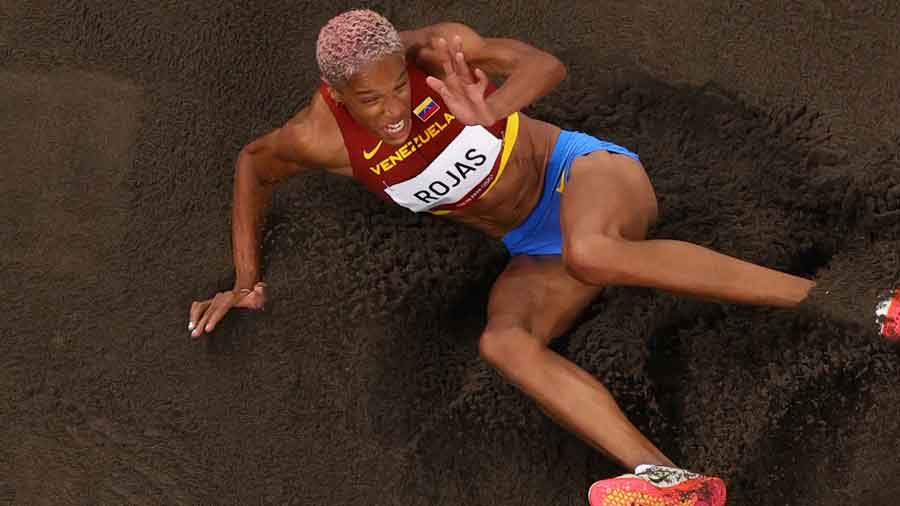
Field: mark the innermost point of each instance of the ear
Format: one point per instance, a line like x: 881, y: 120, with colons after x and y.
x: 335, y: 94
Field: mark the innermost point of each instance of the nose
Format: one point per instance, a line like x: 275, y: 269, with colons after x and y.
x: 394, y: 109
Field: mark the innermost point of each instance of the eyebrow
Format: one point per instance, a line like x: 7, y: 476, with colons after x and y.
x: 369, y: 92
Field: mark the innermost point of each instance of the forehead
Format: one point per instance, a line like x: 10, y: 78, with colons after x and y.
x: 378, y: 74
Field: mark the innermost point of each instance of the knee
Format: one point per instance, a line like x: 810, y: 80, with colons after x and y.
x: 594, y: 259
x: 505, y: 348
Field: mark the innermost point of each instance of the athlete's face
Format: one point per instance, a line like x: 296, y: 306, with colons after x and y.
x: 378, y: 98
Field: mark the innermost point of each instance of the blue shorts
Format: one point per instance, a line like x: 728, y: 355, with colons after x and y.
x: 540, y: 233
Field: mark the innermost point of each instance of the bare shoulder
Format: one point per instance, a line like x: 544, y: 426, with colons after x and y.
x: 311, y: 139
x: 315, y: 138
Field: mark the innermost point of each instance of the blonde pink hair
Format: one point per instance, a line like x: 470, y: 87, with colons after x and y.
x: 351, y: 40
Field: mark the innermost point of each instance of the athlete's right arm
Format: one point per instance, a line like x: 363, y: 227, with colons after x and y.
x: 260, y: 165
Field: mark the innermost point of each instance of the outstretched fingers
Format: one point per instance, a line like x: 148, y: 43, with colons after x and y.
x: 206, y: 314
x: 462, y: 68
x: 437, y: 85
x: 197, y: 310
x: 481, y: 82
x: 446, y: 56
x: 453, y: 60
x: 480, y: 76
x: 217, y: 312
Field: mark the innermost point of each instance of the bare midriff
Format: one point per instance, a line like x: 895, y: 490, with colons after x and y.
x: 517, y: 191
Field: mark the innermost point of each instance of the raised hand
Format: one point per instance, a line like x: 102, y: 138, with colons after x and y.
x: 461, y: 89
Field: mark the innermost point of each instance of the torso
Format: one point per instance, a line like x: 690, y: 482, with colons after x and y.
x: 508, y: 202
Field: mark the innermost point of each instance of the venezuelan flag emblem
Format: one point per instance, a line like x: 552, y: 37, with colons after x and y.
x: 426, y: 109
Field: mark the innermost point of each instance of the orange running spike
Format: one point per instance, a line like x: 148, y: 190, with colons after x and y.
x: 659, y: 486
x: 887, y: 315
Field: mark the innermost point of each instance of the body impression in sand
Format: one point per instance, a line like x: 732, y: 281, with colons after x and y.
x: 414, y: 117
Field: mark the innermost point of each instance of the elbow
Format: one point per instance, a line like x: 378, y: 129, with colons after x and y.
x: 246, y: 168
x: 243, y: 164
x: 248, y: 159
x: 242, y: 156
x: 547, y: 67
x: 556, y: 69
x: 247, y: 152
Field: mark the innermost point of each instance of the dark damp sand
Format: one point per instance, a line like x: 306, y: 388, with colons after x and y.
x: 770, y: 132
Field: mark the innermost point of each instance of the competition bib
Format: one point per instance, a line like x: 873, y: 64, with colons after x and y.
x: 464, y: 164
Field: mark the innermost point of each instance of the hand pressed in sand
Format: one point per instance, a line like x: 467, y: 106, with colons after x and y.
x: 206, y: 314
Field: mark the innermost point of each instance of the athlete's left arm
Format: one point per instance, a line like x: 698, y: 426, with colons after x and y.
x: 528, y: 73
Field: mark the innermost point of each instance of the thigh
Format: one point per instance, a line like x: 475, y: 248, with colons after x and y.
x: 607, y: 194
x: 538, y: 294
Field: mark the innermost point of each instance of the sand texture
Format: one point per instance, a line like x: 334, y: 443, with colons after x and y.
x: 771, y: 131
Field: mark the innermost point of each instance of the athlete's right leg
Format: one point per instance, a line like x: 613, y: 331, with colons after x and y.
x: 533, y: 301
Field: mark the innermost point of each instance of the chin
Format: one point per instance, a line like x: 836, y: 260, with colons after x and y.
x: 395, y: 141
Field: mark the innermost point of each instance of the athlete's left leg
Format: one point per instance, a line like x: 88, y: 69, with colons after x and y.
x: 533, y: 301
x: 607, y: 198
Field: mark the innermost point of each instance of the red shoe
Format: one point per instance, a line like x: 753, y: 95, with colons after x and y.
x: 887, y: 315
x: 658, y: 486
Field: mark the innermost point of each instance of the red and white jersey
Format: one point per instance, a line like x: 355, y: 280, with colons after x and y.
x: 443, y: 165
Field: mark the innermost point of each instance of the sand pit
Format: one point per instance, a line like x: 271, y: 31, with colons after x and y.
x: 769, y: 134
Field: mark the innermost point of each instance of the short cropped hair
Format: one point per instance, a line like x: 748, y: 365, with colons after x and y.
x: 351, y: 40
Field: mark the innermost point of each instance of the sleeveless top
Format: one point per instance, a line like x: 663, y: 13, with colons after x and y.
x: 443, y: 165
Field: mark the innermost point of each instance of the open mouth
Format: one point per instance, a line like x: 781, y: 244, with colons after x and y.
x: 397, y: 130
